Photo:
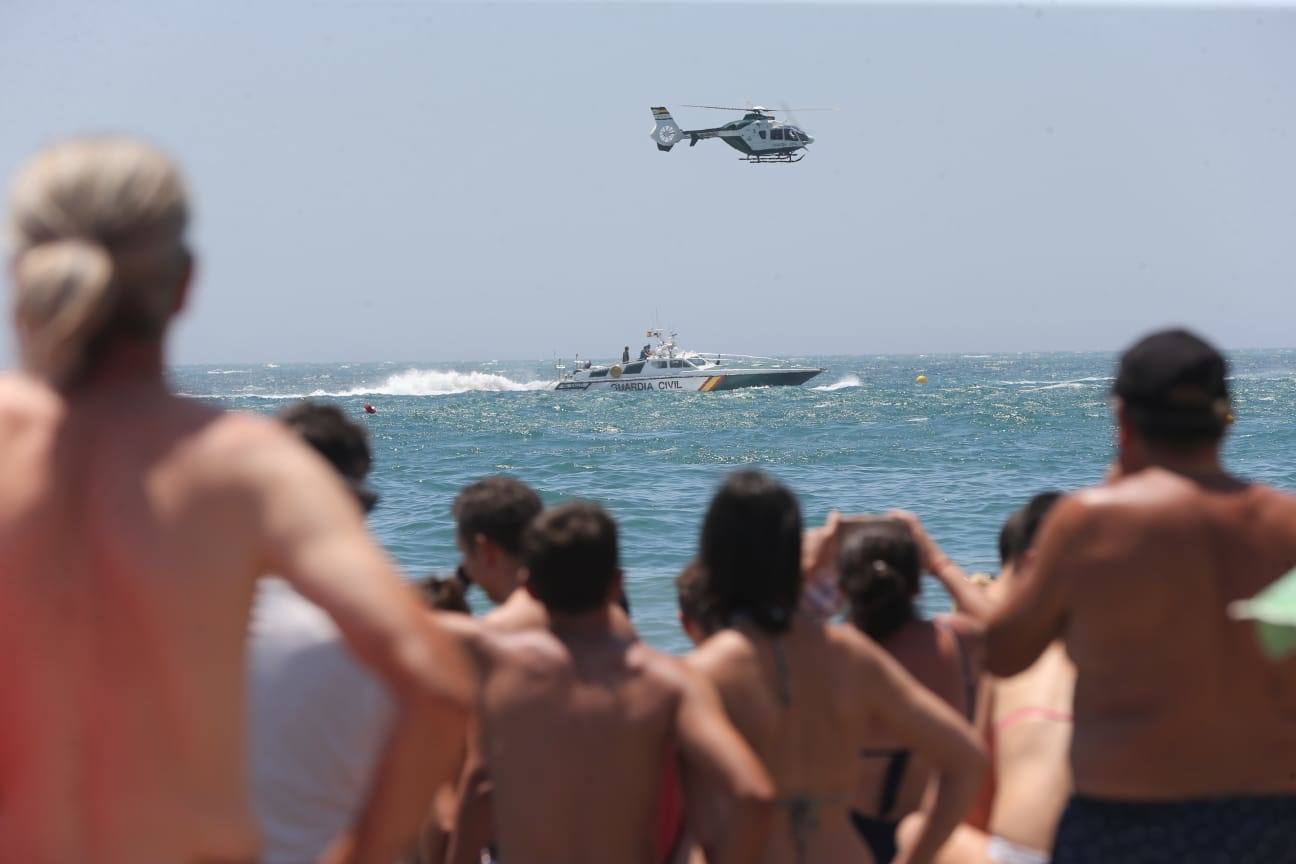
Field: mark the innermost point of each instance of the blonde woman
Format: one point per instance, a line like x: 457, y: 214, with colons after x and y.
x: 133, y: 526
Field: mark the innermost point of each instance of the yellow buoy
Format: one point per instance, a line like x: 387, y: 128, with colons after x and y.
x: 921, y: 379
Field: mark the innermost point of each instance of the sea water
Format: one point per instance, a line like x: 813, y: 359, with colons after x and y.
x: 963, y: 450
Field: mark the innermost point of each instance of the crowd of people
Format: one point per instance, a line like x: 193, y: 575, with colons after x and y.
x: 207, y: 658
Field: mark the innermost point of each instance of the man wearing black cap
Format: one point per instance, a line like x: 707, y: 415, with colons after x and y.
x: 1184, y: 747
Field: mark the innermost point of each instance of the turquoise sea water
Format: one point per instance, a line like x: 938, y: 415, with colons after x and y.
x: 962, y: 451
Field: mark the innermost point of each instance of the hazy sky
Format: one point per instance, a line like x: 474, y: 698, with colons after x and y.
x: 426, y: 181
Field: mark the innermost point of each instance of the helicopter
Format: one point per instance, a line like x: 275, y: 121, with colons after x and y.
x: 757, y: 135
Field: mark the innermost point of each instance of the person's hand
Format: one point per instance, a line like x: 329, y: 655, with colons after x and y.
x: 820, y: 596
x: 819, y: 547
x: 930, y: 556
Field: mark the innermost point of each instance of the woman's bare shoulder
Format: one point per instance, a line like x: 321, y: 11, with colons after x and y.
x: 721, y: 652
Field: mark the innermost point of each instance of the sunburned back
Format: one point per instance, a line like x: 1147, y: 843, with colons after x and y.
x: 126, y: 571
x: 1162, y: 670
x: 575, y: 733
x: 798, y: 702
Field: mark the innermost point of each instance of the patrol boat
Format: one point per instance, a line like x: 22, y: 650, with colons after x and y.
x: 666, y: 366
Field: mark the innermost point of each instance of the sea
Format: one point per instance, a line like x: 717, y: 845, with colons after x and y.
x: 962, y: 450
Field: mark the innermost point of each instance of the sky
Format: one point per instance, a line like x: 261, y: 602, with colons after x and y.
x: 420, y: 181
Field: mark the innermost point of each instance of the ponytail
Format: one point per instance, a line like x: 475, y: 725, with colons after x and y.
x: 879, y: 576
x: 64, y: 299
x: 880, y: 602
x: 97, y: 230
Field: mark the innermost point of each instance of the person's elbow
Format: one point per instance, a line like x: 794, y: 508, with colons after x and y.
x: 754, y: 796
x: 972, y: 762
x: 754, y: 808
x: 979, y: 762
x: 426, y: 675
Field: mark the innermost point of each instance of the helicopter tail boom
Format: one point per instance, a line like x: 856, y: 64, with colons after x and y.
x: 666, y: 132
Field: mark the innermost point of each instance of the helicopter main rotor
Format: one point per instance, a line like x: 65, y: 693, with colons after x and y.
x: 758, y: 109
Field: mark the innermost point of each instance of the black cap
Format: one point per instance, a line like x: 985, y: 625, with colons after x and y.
x: 1173, y: 382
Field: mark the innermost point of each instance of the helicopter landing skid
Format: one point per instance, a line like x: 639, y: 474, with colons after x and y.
x: 769, y: 158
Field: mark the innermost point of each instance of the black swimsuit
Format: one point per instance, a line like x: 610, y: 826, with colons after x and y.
x: 879, y: 832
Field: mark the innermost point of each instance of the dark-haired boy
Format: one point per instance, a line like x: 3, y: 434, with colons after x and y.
x: 491, y: 517
x: 690, y: 594
x: 576, y: 717
x: 1185, y: 735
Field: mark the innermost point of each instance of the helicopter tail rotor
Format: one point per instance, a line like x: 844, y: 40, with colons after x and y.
x: 666, y: 132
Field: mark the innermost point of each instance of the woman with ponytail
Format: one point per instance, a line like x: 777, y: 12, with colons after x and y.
x: 99, y: 259
x: 805, y: 693
x: 879, y: 564
x: 133, y: 526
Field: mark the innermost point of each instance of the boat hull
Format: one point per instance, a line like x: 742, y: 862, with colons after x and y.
x: 716, y: 381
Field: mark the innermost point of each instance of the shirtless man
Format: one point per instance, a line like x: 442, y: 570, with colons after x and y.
x: 491, y: 516
x: 1028, y: 725
x: 133, y: 527
x: 1184, y: 747
x: 577, y: 717
x: 808, y: 696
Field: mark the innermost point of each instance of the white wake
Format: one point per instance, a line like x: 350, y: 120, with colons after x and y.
x: 423, y: 382
x: 848, y: 381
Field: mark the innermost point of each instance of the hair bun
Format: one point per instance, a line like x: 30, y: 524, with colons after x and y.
x: 64, y: 298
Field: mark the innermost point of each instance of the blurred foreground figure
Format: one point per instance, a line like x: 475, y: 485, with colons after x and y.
x: 133, y: 526
x: 879, y: 565
x: 1184, y: 747
x: 577, y: 716
x: 808, y: 696
x: 317, y: 717
x: 1027, y: 726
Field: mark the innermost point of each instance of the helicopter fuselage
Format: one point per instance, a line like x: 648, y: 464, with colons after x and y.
x: 757, y: 135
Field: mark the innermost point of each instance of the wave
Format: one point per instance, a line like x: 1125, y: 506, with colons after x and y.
x: 227, y: 371
x: 1088, y: 380
x: 414, y: 382
x: 848, y: 381
x: 430, y: 382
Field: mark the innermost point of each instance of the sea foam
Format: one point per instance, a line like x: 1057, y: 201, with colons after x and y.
x: 432, y: 382
x: 848, y: 381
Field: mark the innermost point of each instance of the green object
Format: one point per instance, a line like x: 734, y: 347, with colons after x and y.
x: 1273, y: 611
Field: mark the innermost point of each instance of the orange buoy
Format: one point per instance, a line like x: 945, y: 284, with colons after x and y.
x: 369, y: 409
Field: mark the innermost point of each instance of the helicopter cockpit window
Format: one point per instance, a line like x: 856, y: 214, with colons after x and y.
x: 633, y: 369
x: 793, y: 135
x: 761, y: 132
x: 776, y: 134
